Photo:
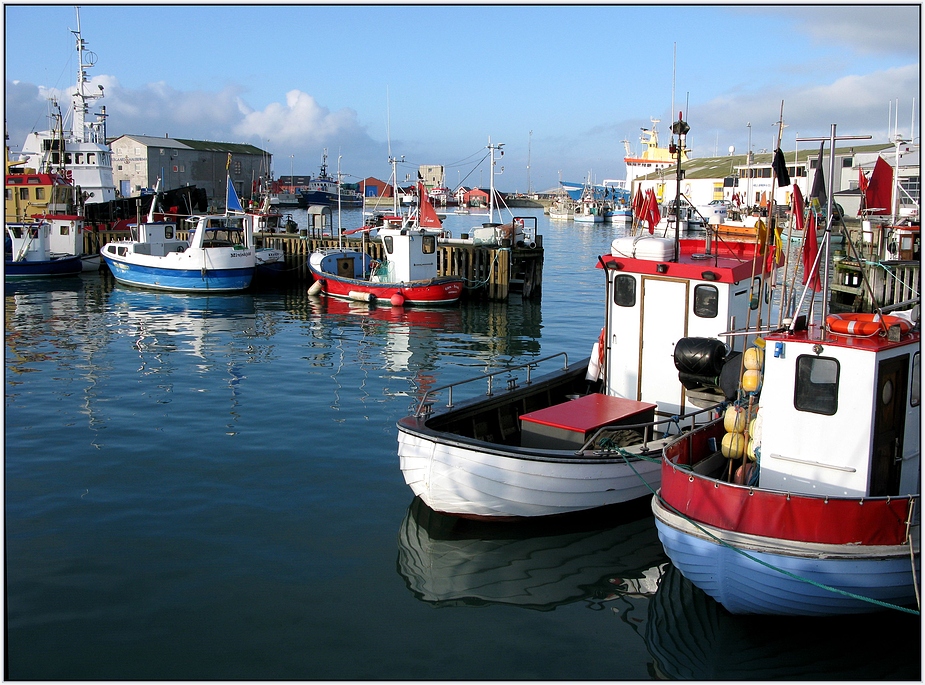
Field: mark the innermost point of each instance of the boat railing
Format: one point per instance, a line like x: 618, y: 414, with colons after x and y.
x: 425, y: 407
x: 684, y: 423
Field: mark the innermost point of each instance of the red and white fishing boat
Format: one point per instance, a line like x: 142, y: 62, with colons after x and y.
x: 588, y: 435
x: 408, y: 275
x: 804, y: 498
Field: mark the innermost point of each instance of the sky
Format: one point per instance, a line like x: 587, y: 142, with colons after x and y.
x: 561, y: 87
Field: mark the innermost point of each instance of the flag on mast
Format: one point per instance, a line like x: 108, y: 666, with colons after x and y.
x: 232, y: 203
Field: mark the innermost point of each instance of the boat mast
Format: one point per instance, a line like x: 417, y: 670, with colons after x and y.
x: 680, y: 129
x: 340, y: 231
x: 81, y: 99
x: 828, y: 224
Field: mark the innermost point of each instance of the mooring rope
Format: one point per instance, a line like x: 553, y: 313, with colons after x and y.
x: 822, y: 586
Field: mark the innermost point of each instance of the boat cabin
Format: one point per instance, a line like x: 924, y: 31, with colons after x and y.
x: 659, y: 292
x: 65, y: 234
x: 411, y: 254
x: 28, y: 242
x: 156, y: 238
x: 221, y: 231
x: 865, y: 390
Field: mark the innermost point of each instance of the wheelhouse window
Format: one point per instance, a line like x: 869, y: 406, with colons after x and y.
x: 429, y: 244
x: 387, y: 242
x: 916, y: 395
x: 706, y: 301
x: 816, y: 387
x: 624, y: 291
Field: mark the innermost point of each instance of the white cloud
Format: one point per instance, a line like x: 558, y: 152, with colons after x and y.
x: 301, y: 122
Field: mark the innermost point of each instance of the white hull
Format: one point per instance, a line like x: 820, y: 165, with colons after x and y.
x: 496, y: 482
x: 589, y: 218
x: 783, y: 577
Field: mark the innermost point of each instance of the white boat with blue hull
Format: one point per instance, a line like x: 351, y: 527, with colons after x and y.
x: 28, y: 253
x: 218, y: 257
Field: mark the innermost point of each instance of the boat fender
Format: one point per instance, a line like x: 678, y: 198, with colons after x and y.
x: 361, y: 296
x: 397, y: 300
x: 700, y: 356
x: 596, y: 363
x: 316, y: 288
x: 865, y: 324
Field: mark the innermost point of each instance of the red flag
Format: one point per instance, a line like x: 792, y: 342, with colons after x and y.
x: 810, y: 249
x: 638, y: 203
x: 879, y: 196
x: 862, y: 186
x: 797, y: 205
x: 429, y: 217
x: 652, y: 214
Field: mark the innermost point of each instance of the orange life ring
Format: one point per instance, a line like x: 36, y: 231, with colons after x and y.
x: 865, y: 324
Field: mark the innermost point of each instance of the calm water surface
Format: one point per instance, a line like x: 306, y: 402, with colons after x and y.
x: 208, y: 488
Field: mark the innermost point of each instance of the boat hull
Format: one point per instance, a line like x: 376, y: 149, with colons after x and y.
x: 51, y: 268
x: 764, y: 551
x: 180, y: 279
x: 485, y: 476
x: 589, y: 218
x: 482, y: 482
x: 783, y: 577
x: 437, y: 291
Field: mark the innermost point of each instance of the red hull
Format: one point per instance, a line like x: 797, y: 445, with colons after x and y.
x: 772, y: 514
x: 437, y: 291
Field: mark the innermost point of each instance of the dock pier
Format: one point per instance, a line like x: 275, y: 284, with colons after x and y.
x: 492, y: 273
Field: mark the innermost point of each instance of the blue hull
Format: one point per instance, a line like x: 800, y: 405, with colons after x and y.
x: 53, y: 268
x: 746, y: 586
x: 319, y: 197
x: 180, y: 280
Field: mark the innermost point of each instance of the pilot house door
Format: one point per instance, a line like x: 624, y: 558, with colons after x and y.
x: 664, y: 322
x: 889, y: 422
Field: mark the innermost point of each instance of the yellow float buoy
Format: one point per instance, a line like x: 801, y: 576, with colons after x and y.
x: 733, y: 446
x: 751, y: 380
x: 734, y: 419
x: 754, y: 358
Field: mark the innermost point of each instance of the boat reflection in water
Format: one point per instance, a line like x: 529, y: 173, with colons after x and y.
x: 448, y: 561
x: 180, y: 320
x: 692, y: 637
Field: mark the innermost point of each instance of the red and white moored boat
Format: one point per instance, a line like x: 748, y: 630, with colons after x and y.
x: 804, y: 498
x: 408, y: 275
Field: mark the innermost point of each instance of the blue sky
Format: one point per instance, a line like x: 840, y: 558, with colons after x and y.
x: 436, y: 81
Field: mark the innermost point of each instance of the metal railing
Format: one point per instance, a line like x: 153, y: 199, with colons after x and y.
x: 424, y: 407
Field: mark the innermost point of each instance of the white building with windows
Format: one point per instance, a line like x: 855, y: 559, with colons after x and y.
x: 138, y: 161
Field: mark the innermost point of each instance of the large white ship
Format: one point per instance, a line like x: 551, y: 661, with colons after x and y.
x: 652, y: 158
x: 75, y: 146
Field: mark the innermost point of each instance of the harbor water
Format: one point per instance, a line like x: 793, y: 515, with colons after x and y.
x: 207, y: 488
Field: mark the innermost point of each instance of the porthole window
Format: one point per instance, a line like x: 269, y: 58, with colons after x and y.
x: 816, y: 387
x: 624, y: 291
x: 706, y: 301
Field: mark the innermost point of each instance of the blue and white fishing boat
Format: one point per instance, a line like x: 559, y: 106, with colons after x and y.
x: 218, y: 257
x: 28, y: 254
